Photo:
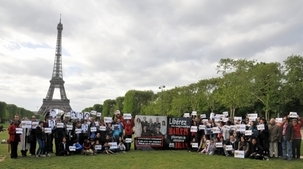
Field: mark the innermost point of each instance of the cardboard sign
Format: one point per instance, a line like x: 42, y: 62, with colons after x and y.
x: 35, y: 124
x: 19, y: 131
x: 97, y: 123
x: 293, y: 115
x: 203, y: 116
x: 72, y: 148
x: 248, y: 132
x: 108, y: 119
x: 260, y: 127
x: 241, y: 127
x: 225, y: 113
x: 113, y: 145
x: 202, y: 127
x: 102, y: 128
x: 51, y: 123
x: 219, y: 144
x: 194, y: 113
x: 252, y: 116
x: 194, y: 145
x: 228, y: 147
x: 98, y: 147
x: 60, y: 125
x: 26, y: 124
x: 48, y: 130
x: 93, y: 129
x: 80, y: 115
x: 216, y: 130
x: 127, y: 116
x: 239, y: 154
x: 128, y: 140
x: 86, y: 115
x: 193, y: 129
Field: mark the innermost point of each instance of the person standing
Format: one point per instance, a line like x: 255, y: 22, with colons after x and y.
x: 24, y: 145
x: 14, y: 137
x: 274, y: 135
x: 296, y: 144
x: 287, y: 134
x: 33, y: 141
x: 40, y: 139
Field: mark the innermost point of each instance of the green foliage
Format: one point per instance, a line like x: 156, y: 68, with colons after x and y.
x: 108, y: 107
x: 136, y: 100
x: 98, y: 107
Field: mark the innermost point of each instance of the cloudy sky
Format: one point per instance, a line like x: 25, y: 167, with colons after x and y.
x: 112, y: 46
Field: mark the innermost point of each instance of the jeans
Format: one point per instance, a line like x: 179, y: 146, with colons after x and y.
x: 41, y: 147
x: 286, y: 148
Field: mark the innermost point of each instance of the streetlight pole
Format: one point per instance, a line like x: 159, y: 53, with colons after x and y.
x: 162, y: 88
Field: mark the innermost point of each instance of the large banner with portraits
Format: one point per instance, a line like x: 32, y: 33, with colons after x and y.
x: 178, y: 132
x: 150, y: 131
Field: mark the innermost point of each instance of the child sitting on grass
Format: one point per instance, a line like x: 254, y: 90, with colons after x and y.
x: 106, y: 148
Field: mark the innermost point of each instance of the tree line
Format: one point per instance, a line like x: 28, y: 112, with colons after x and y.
x: 243, y: 86
x: 8, y: 111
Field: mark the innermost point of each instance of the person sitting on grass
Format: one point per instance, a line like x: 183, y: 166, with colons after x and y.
x: 202, y: 144
x: 256, y: 150
x: 106, y: 148
x: 87, y: 149
x: 244, y: 146
x: 63, y: 148
x: 78, y: 147
x: 121, y: 146
x: 98, y: 147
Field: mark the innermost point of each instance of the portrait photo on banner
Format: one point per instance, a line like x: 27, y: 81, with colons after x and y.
x: 150, y: 125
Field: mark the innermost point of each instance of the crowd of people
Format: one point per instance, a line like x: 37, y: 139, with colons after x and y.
x: 90, y: 136
x: 78, y: 136
x: 273, y: 140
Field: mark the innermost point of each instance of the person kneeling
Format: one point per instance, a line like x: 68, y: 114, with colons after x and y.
x: 63, y: 148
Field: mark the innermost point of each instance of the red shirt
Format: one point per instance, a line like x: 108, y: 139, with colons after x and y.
x: 297, y: 129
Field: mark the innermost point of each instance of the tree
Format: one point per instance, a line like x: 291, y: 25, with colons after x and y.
x: 98, y: 107
x: 108, y: 107
x: 2, y: 111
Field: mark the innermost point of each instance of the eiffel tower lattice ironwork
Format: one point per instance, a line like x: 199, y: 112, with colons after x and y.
x: 56, y: 82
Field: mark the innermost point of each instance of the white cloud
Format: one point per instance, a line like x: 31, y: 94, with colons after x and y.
x: 110, y: 47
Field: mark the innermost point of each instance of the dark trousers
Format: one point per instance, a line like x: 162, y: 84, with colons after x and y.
x: 57, y: 143
x: 296, y: 148
x: 33, y: 144
x: 62, y: 153
x: 14, y: 149
x: 127, y: 145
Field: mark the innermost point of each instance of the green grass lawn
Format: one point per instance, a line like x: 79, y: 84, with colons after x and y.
x: 141, y: 159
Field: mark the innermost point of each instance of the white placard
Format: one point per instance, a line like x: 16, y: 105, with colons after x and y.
x: 52, y: 113
x: 225, y: 119
x: 93, y: 112
x: 216, y: 130
x: 69, y: 127
x: 113, y: 145
x: 252, y: 119
x: 219, y: 145
x: 193, y: 129
x: 48, y: 130
x: 194, y: 113
x: 26, y: 124
x: 78, y: 131
x: 194, y: 145
x: 227, y: 127
x: 248, y: 132
x: 86, y: 115
x: 207, y: 141
x: 252, y: 115
x: 98, y: 147
x: 260, y: 127
x: 293, y: 115
x: 202, y: 127
x: 80, y: 115
x: 208, y: 131
x: 232, y: 127
x: 203, y: 116
x: 279, y: 120
x: 228, y: 147
x: 186, y: 114
x: 239, y: 154
x: 98, y: 114
x: 241, y: 127
x: 73, y: 115
x: 102, y: 128
x: 35, y: 124
x: 128, y: 140
x: 51, y: 123
x: 60, y: 125
x: 108, y: 119
x: 72, y: 148
x: 212, y: 115
x: 225, y: 113
x: 93, y: 129
x: 127, y: 116
x: 217, y: 120
x: 19, y: 131
x: 97, y: 123
x: 237, y: 118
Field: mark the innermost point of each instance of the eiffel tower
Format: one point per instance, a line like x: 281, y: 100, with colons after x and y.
x: 56, y: 82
